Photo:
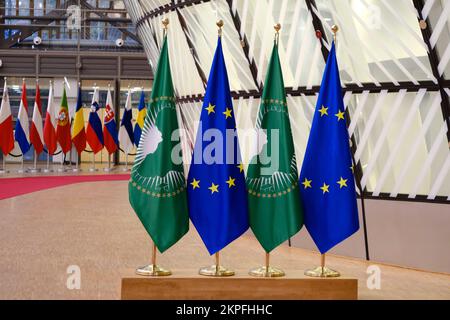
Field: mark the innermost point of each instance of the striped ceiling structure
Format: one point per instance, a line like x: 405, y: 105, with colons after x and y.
x: 394, y: 59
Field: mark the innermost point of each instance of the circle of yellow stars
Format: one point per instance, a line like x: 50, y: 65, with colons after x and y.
x: 214, y: 188
x: 212, y: 109
x: 341, y: 182
x: 325, y: 187
x: 324, y: 112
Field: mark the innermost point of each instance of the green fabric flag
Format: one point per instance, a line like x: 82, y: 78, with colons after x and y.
x: 272, y: 176
x: 157, y: 188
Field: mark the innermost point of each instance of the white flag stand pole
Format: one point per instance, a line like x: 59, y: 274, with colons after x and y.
x: 126, y: 163
x: 108, y: 169
x: 47, y: 169
x: 35, y: 168
x: 93, y: 169
x: 61, y: 168
x: 70, y: 159
x: 77, y: 167
x: 3, y: 169
x: 22, y: 169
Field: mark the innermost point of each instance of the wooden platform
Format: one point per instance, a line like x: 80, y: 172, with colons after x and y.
x: 189, y: 285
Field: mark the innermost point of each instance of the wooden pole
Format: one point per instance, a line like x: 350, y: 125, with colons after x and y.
x: 154, y: 255
x: 217, y: 261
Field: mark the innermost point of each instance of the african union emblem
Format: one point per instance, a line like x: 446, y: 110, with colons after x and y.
x: 274, y: 202
x: 157, y: 188
x: 153, y: 171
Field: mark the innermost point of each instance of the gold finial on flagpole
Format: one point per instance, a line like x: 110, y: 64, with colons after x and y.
x: 219, y: 24
x: 165, y: 23
x: 277, y: 27
x: 334, y: 29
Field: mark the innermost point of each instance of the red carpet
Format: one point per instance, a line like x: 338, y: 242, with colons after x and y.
x: 12, y: 187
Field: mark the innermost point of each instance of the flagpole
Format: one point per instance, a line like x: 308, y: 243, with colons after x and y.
x: 153, y: 269
x: 126, y: 162
x: 61, y: 168
x: 34, y: 169
x: 217, y: 270
x: 77, y: 169
x: 107, y: 169
x: 22, y: 168
x: 323, y: 271
x: 70, y: 159
x: 3, y: 170
x: 47, y: 169
x: 266, y: 270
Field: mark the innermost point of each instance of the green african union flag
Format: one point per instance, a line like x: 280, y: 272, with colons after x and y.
x: 157, y: 188
x: 272, y: 177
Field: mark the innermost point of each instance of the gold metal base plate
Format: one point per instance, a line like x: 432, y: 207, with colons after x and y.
x: 324, y: 272
x: 214, y: 271
x: 153, y: 270
x: 269, y: 272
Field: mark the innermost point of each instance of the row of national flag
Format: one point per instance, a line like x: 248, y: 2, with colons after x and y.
x: 222, y: 199
x: 57, y: 128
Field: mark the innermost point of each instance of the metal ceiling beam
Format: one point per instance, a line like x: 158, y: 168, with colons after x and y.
x: 434, y: 62
x: 27, y: 31
x: 125, y: 31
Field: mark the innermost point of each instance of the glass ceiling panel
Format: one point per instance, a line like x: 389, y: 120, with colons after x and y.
x: 299, y: 49
x: 378, y: 41
x: 202, y: 31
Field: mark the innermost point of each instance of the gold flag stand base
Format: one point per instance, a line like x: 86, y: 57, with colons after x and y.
x: 153, y: 270
x: 268, y: 272
x: 216, y: 270
x: 322, y: 271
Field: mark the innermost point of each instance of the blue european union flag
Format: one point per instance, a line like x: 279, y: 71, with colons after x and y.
x: 327, y: 183
x: 216, y: 185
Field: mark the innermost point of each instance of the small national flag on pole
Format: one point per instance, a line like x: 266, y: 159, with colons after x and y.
x: 63, y: 125
x: 272, y: 176
x: 126, y: 137
x: 142, y: 111
x: 94, y: 134
x: 6, y: 127
x: 157, y: 189
x: 22, y: 132
x: 326, y: 181
x: 78, y: 132
x: 50, y: 123
x: 109, y: 126
x: 216, y: 186
x: 36, y: 131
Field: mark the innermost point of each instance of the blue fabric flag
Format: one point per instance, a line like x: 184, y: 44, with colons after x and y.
x: 327, y: 185
x: 216, y: 185
x: 140, y: 119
